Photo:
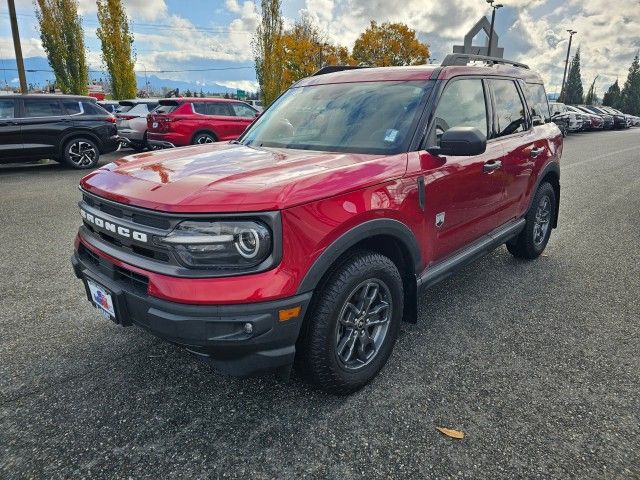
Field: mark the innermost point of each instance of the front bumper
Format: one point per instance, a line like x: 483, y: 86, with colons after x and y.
x: 216, y: 333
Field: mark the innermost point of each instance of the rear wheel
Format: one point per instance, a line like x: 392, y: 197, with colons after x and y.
x: 81, y: 153
x: 353, y: 324
x: 204, y: 137
x: 533, y: 239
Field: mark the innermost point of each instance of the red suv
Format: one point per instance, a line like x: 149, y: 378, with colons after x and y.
x: 189, y: 121
x: 310, y: 238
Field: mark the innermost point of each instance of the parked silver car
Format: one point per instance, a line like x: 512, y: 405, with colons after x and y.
x: 575, y: 119
x: 132, y: 121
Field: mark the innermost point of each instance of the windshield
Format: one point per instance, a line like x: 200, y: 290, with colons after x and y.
x: 364, y: 117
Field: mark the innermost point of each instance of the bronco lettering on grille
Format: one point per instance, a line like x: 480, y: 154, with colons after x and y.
x: 113, y: 228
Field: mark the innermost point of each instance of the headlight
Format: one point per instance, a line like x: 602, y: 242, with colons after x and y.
x: 225, y: 244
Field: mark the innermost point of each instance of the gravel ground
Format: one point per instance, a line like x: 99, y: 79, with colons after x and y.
x: 538, y: 363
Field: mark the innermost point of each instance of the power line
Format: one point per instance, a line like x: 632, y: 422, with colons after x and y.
x: 33, y: 70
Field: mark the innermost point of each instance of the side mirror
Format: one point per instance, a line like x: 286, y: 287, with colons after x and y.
x: 556, y: 113
x: 257, y: 114
x: 461, y: 141
x: 537, y: 120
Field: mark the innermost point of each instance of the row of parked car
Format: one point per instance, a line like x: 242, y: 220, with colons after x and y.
x: 163, y: 123
x: 578, y: 118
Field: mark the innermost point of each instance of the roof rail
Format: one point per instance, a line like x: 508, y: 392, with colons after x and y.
x: 335, y: 68
x: 466, y: 58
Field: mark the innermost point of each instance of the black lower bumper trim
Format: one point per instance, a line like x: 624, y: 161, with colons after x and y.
x: 219, y: 333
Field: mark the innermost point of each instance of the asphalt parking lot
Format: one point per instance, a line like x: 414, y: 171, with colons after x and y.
x: 538, y: 363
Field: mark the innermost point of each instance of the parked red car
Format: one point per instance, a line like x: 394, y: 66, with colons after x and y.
x: 189, y: 121
x: 312, y: 236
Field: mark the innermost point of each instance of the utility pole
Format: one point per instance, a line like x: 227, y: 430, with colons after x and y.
x: 493, y: 22
x: 566, y: 64
x: 16, y: 46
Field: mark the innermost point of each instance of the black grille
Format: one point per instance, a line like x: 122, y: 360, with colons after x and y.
x: 123, y: 212
x: 130, y: 280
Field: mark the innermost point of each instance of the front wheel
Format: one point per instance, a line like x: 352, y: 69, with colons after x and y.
x: 533, y: 239
x: 353, y: 324
x: 81, y: 153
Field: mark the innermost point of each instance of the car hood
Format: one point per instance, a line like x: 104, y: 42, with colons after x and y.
x: 231, y: 177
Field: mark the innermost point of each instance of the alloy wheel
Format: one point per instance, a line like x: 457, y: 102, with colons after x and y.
x: 204, y: 139
x: 363, y: 324
x: 82, y: 154
x: 542, y: 221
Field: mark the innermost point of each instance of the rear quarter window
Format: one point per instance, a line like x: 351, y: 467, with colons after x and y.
x: 6, y: 108
x: 537, y: 100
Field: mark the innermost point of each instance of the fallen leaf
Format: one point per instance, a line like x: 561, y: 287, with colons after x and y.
x: 451, y: 433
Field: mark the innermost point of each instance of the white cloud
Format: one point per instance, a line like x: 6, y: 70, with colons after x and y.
x: 246, y: 85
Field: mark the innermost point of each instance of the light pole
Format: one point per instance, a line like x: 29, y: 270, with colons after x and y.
x: 493, y: 22
x: 566, y: 63
x: 16, y: 46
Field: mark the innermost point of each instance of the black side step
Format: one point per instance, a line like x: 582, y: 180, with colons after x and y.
x: 445, y: 268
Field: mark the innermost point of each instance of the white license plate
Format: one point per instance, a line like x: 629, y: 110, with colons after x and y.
x: 102, y: 299
x: 154, y: 124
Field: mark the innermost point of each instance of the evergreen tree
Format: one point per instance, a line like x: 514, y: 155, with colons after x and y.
x: 63, y: 41
x: 630, y: 95
x: 187, y: 93
x: 592, y: 98
x: 612, y: 97
x: 116, y: 41
x: 573, y: 91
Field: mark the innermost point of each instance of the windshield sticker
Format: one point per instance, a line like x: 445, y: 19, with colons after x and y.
x: 390, y: 135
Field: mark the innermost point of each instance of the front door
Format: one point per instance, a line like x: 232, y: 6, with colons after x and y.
x: 10, y: 136
x: 462, y: 193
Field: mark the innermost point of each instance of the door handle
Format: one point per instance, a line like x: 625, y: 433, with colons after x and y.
x: 491, y: 165
x: 535, y: 152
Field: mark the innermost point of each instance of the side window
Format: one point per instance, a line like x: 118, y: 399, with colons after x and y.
x: 510, y: 111
x: 200, y: 108
x: 462, y: 104
x: 6, y: 108
x: 42, y: 107
x: 537, y: 100
x: 242, y: 110
x: 91, y: 108
x: 72, y: 108
x: 219, y: 108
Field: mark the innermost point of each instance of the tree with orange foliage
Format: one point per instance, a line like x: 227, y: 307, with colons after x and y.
x: 306, y: 51
x: 389, y: 44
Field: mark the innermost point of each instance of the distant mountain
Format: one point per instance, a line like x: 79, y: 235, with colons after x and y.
x: 39, y: 75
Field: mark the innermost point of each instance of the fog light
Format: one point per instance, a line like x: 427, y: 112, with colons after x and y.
x: 248, y: 328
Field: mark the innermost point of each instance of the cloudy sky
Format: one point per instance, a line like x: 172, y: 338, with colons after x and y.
x: 208, y: 41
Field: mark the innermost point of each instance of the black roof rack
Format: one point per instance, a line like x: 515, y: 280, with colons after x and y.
x: 465, y: 58
x: 335, y: 68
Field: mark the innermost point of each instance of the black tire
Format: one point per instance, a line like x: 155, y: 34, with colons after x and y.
x: 533, y: 239
x: 80, y: 153
x: 368, y: 339
x: 204, y: 137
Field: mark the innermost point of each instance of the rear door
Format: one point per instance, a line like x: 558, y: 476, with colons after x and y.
x: 522, y: 143
x: 10, y: 137
x: 43, y: 121
x: 462, y: 193
x: 220, y: 119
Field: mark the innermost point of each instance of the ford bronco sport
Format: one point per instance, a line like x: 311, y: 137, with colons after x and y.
x: 308, y: 240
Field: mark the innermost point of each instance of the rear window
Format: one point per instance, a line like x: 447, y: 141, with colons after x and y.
x: 167, y: 107
x: 141, y: 109
x: 124, y: 108
x: 537, y: 100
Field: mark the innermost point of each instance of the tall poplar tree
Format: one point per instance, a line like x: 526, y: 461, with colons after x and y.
x: 573, y: 91
x: 117, y: 43
x: 630, y: 95
x: 269, y: 52
x: 63, y: 40
x: 591, y: 97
